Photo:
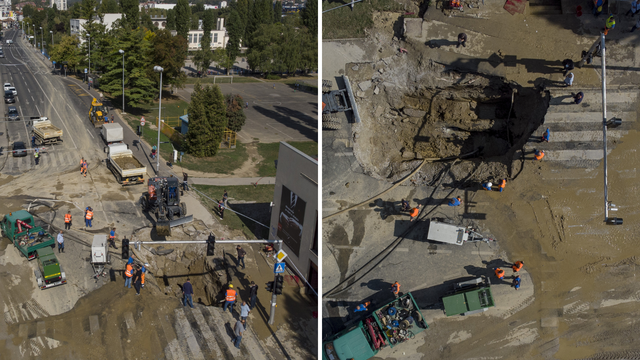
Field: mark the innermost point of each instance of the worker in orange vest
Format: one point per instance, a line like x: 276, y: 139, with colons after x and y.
x: 415, y: 212
x: 395, y: 289
x: 128, y: 273
x: 67, y: 220
x: 517, y: 266
x: 539, y: 154
x: 144, y: 271
x: 502, y: 184
x: 230, y: 299
x: 499, y: 273
x: 88, y: 216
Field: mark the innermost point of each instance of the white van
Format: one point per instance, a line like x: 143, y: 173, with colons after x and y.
x: 9, y: 42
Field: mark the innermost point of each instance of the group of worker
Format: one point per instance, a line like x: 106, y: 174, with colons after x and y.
x: 134, y: 273
x: 516, y: 267
x: 83, y: 167
x: 489, y: 185
x: 230, y: 299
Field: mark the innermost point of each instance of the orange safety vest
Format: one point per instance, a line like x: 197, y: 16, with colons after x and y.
x: 499, y: 273
x: 517, y: 266
x: 415, y: 212
x: 67, y: 218
x: 231, y: 295
x: 128, y: 271
x: 142, y: 278
x: 503, y: 183
x: 540, y: 156
x: 395, y: 288
x: 89, y: 215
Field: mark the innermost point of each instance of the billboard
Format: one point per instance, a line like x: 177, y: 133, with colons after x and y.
x: 291, y: 219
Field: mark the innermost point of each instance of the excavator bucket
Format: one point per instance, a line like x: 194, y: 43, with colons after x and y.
x: 163, y: 228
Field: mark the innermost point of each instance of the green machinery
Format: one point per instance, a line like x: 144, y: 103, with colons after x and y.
x: 19, y: 226
x: 49, y: 272
x: 469, y: 297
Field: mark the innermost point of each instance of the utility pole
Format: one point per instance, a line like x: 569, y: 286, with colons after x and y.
x: 589, y: 53
x: 272, y: 315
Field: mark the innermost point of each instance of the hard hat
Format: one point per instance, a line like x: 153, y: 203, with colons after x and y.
x: 599, y: 8
x: 489, y: 183
x: 146, y: 264
x: 230, y: 286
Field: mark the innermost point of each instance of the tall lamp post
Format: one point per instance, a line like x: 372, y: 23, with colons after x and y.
x: 34, y: 35
x: 89, y: 36
x: 122, y: 52
x: 51, y: 31
x: 41, y: 40
x: 160, y: 70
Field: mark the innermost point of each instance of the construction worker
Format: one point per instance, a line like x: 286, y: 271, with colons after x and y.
x: 609, y: 24
x: 516, y: 282
x: 517, y: 266
x: 112, y: 238
x: 88, y: 217
x: 395, y: 289
x: 597, y: 7
x: 144, y: 271
x: 230, y: 299
x: 539, y: 154
x: 405, y: 205
x: 415, y: 212
x: 487, y: 185
x: 546, y: 136
x: 67, y: 220
x: 455, y: 201
x: 362, y: 307
x: 502, y: 184
x: 128, y: 273
x: 36, y: 156
x: 499, y: 273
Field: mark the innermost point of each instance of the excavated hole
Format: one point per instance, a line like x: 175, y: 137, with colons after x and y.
x: 437, y: 123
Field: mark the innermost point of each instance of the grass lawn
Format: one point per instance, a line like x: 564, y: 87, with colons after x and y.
x: 261, y: 194
x: 225, y: 162
x: 269, y: 153
x: 345, y: 23
x: 209, y: 80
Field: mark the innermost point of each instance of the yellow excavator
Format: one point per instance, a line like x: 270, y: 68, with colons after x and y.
x: 98, y: 113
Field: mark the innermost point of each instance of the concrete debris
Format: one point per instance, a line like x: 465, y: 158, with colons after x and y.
x: 414, y: 112
x: 360, y: 93
x: 376, y: 90
x: 355, y: 68
x: 365, y: 85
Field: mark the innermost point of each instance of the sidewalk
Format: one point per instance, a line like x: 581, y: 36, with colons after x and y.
x: 232, y: 181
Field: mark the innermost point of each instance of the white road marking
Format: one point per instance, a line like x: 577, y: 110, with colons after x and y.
x: 90, y: 133
x: 279, y: 131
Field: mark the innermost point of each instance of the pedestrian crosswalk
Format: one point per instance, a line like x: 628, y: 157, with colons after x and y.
x: 576, y: 129
x: 52, y: 160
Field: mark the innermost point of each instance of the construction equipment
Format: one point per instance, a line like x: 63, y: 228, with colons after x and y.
x: 19, y: 226
x: 49, y: 272
x: 390, y: 325
x: 163, y: 199
x: 44, y: 131
x: 453, y: 234
x: 100, y: 256
x: 469, y: 297
x: 97, y: 113
x: 126, y: 168
x: 340, y: 100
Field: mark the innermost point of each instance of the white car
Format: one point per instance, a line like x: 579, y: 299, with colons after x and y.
x: 13, y: 90
x: 7, y: 86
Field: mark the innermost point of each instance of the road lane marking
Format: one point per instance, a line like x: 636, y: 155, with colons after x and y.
x: 90, y: 133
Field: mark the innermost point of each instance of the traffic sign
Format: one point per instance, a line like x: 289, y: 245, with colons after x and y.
x: 85, y: 70
x: 279, y: 268
x: 280, y: 256
x: 142, y: 121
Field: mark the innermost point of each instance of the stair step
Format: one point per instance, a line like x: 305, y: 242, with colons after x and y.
x: 588, y: 117
x: 184, y: 329
x: 223, y: 326
x: 205, y: 334
x: 172, y: 351
x: 578, y: 136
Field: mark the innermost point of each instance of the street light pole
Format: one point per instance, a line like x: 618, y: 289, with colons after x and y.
x: 272, y: 314
x: 41, y: 40
x: 51, y: 38
x: 89, y: 36
x: 122, y: 52
x: 160, y: 70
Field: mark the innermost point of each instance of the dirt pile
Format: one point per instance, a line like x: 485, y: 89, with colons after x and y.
x: 413, y: 110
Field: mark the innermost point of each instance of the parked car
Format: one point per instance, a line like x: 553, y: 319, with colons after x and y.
x: 13, y: 90
x: 19, y: 149
x: 8, y: 97
x: 1, y: 54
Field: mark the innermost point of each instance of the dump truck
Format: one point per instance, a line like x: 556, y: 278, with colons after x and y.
x: 45, y: 132
x: 126, y: 168
x: 20, y: 228
x: 49, y: 272
x: 469, y: 297
x: 390, y: 325
x: 112, y: 133
x: 97, y: 113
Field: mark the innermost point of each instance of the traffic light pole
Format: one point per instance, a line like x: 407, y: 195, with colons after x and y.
x: 272, y: 316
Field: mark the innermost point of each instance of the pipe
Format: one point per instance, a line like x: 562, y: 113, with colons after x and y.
x: 604, y: 127
x: 205, y: 241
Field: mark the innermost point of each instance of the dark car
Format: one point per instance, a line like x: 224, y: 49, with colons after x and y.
x: 12, y: 113
x: 9, y: 98
x: 19, y: 149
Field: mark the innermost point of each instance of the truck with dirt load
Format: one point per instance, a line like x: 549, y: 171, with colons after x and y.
x: 44, y: 131
x: 49, y: 272
x: 391, y: 325
x: 20, y: 228
x: 112, y: 133
x: 126, y: 168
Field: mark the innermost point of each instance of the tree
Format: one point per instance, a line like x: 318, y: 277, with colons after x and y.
x: 235, y: 29
x: 207, y: 121
x: 139, y: 75
x: 204, y: 56
x: 235, y: 114
x: 310, y: 16
x: 195, y: 22
x: 265, y: 52
x: 131, y: 13
x: 168, y: 52
x: 88, y: 9
x: 241, y: 8
x: 146, y: 22
x: 277, y: 12
x: 109, y: 7
x: 183, y: 18
x: 171, y: 19
x: 67, y: 50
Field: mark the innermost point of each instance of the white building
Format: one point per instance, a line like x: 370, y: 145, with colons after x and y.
x: 223, y: 4
x: 60, y: 4
x: 153, y: 5
x: 207, y: 7
x: 77, y: 24
x: 5, y: 8
x: 159, y: 21
x: 219, y: 37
